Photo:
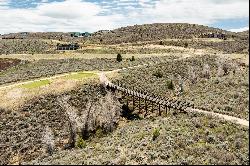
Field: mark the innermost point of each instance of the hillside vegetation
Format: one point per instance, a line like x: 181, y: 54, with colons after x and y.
x: 151, y: 32
x: 157, y: 33
x: 55, y: 107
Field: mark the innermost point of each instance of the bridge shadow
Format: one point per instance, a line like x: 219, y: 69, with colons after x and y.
x: 129, y: 114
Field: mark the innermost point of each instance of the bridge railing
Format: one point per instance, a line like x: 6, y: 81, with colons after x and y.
x: 165, y: 102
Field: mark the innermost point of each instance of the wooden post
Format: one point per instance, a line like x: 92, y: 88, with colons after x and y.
x: 133, y: 99
x: 127, y: 99
x: 166, y: 109
x: 152, y: 109
x: 146, y: 108
x: 160, y: 109
x: 139, y: 105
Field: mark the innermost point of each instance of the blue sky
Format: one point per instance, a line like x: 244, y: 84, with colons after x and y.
x: 93, y: 15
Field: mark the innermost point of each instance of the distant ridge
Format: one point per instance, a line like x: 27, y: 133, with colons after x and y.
x: 157, y: 31
x: 145, y: 32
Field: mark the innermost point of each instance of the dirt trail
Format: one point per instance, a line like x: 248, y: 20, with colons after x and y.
x: 223, y: 116
x: 63, y: 75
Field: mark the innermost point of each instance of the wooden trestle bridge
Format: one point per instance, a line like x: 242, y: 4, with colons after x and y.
x: 143, y: 100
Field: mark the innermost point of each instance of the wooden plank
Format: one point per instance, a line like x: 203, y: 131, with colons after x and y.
x: 158, y: 100
x: 162, y: 102
x: 168, y: 103
x: 154, y: 99
x: 171, y: 104
x: 151, y: 98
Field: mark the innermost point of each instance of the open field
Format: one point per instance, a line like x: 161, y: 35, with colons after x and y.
x: 14, y: 96
x: 35, y: 84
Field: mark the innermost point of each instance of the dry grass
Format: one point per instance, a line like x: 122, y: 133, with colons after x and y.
x: 188, y: 139
x: 15, y: 96
x: 100, y: 52
x: 71, y: 55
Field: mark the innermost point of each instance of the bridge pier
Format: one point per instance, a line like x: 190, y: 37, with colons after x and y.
x: 146, y: 108
x: 133, y: 99
x: 160, y: 109
x: 134, y: 96
x: 139, y: 105
x: 127, y: 100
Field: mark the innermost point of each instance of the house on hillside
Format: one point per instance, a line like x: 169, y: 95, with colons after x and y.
x: 75, y: 34
x: 79, y: 34
x: 214, y: 35
x: 74, y: 46
x: 24, y: 33
x: 86, y: 34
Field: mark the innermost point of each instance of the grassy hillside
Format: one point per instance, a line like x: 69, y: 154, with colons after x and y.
x: 158, y: 33
x: 181, y: 139
x: 224, y: 89
x: 151, y: 32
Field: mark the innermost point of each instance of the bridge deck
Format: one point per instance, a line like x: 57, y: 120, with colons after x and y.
x: 168, y: 103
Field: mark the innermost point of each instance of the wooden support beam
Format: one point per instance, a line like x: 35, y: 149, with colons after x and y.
x: 152, y: 103
x: 139, y: 105
x: 160, y: 109
x: 168, y: 103
x: 127, y: 99
x: 133, y: 99
x: 137, y: 94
